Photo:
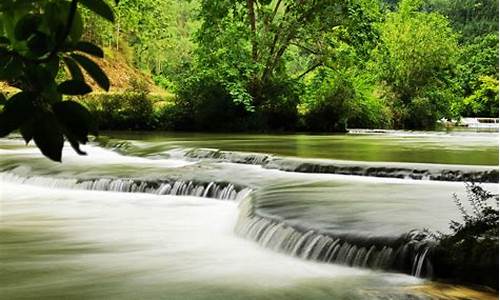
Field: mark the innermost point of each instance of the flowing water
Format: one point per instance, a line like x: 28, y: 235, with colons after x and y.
x: 158, y: 217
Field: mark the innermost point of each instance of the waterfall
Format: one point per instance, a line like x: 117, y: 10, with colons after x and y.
x: 408, y: 253
x: 217, y: 190
x: 374, y: 169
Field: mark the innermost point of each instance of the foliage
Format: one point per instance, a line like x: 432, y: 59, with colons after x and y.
x: 205, y: 103
x: 484, y: 101
x: 416, y: 62
x: 470, y: 18
x: 337, y: 100
x: 131, y: 110
x: 35, y: 37
x: 470, y: 252
x: 260, y: 51
x: 158, y: 31
x: 478, y: 69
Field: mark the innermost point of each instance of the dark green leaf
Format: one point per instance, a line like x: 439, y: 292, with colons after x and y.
x: 77, y: 28
x: 3, y: 99
x: 93, y: 70
x: 4, y: 40
x: 89, y: 48
x: 38, y: 44
x: 53, y: 16
x: 75, y: 145
x: 48, y: 136
x: 73, y: 68
x: 100, y: 7
x: 52, y: 66
x: 75, y: 118
x: 18, y: 110
x: 27, y: 131
x: 26, y: 26
x: 11, y: 68
x: 74, y: 87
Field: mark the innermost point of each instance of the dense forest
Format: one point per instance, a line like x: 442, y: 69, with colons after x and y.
x: 295, y: 65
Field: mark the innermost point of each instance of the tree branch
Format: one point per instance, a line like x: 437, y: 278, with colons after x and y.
x: 312, y: 68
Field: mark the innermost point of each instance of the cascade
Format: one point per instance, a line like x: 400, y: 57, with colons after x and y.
x: 408, y: 253
x: 217, y: 190
x: 375, y: 169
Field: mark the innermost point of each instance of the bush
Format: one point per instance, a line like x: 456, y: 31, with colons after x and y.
x: 278, y: 111
x: 204, y: 103
x: 122, y: 111
x: 337, y: 100
x: 470, y: 252
x: 484, y: 101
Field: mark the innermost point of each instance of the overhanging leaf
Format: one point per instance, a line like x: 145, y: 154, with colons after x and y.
x: 93, y: 70
x: 27, y: 131
x: 73, y: 69
x: 10, y: 68
x: 26, y: 26
x: 48, y: 136
x: 77, y: 28
x: 74, y: 87
x: 3, y: 99
x: 89, y: 48
x: 100, y: 7
x: 18, y: 110
x: 75, y: 118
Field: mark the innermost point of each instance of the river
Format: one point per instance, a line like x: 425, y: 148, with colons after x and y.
x: 199, y: 216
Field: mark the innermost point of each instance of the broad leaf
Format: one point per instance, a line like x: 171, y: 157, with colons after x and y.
x: 75, y: 118
x: 77, y: 28
x: 74, y: 88
x: 27, y: 131
x: 26, y: 26
x: 48, y: 136
x: 3, y: 99
x: 93, y: 70
x: 89, y: 48
x: 18, y: 110
x: 100, y: 7
x: 38, y: 44
x: 10, y: 68
x: 73, y: 69
x: 4, y: 40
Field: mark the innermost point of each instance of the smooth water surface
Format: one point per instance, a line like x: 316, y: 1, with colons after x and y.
x: 465, y: 148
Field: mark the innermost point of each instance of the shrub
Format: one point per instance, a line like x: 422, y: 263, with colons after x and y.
x: 204, y: 103
x: 279, y: 108
x: 337, y: 100
x: 122, y: 111
x: 484, y: 101
x: 470, y: 252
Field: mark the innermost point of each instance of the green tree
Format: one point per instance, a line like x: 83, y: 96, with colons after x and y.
x: 158, y: 32
x: 259, y: 52
x: 36, y: 37
x: 415, y: 63
x: 471, y: 18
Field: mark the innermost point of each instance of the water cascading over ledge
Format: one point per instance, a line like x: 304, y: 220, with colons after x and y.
x: 414, y: 171
x: 217, y: 190
x: 409, y: 253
